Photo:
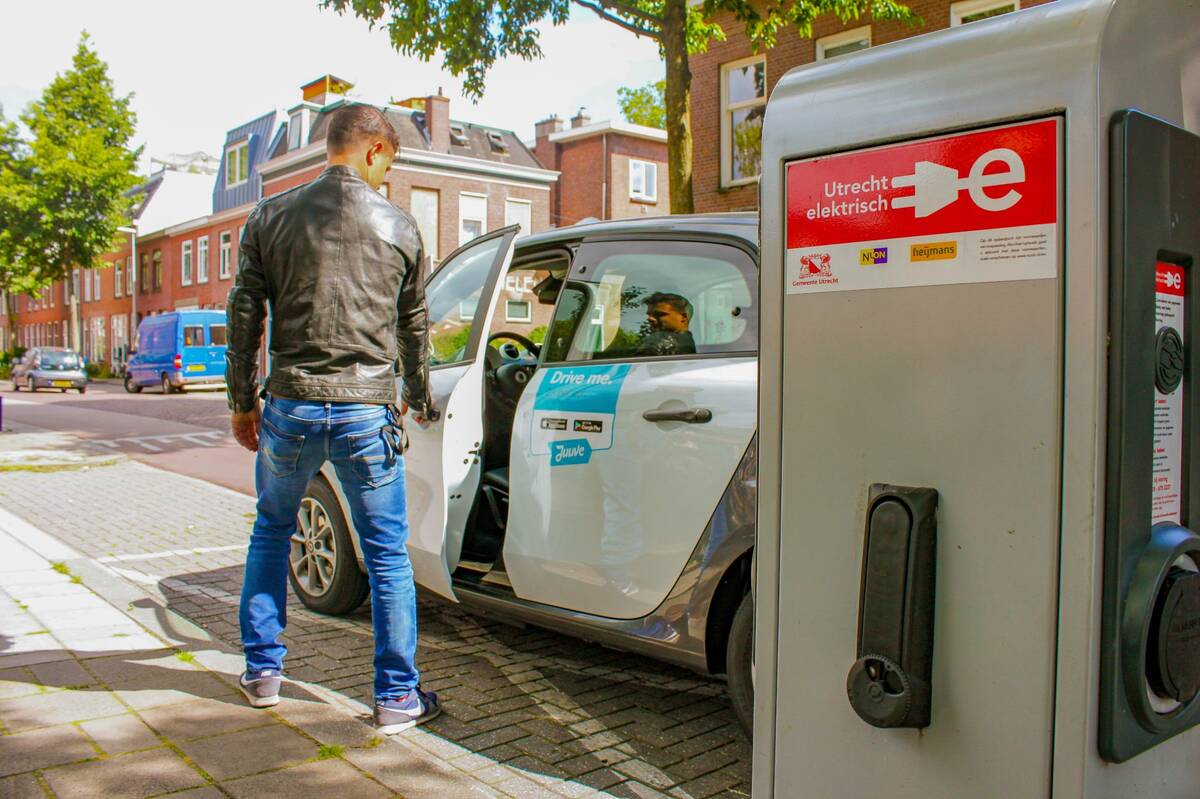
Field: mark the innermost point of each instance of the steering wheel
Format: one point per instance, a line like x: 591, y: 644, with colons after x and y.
x: 530, y: 347
x: 510, y: 378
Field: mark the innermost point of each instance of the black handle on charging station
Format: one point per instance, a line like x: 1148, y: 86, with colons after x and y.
x: 889, y: 684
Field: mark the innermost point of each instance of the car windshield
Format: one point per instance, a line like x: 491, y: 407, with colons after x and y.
x: 58, y: 361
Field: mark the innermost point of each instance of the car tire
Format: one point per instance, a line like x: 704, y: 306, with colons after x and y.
x: 739, y: 663
x: 16, y: 386
x: 167, y: 388
x: 322, y: 566
x: 132, y: 387
x: 82, y: 390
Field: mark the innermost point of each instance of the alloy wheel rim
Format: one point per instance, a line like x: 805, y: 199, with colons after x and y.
x: 314, y: 549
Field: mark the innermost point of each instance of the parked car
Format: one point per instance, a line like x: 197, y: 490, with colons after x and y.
x: 50, y: 367
x: 178, y: 349
x: 593, y: 468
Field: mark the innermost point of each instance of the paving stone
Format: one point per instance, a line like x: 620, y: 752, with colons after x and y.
x: 23, y: 786
x: 131, y: 776
x: 199, y: 793
x: 204, y: 717
x: 57, y: 707
x: 331, y: 777
x: 50, y: 746
x: 62, y: 673
x: 17, y: 682
x: 413, y: 777
x: 249, y: 752
x: 119, y: 734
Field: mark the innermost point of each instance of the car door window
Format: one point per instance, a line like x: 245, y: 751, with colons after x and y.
x: 648, y: 299
x: 452, y: 296
x: 216, y: 335
x: 193, y: 336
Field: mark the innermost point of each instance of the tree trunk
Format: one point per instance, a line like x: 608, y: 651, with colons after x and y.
x: 73, y: 304
x: 10, y: 302
x: 678, y: 97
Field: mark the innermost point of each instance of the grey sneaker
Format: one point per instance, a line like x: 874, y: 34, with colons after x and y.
x: 397, y: 715
x: 262, y: 687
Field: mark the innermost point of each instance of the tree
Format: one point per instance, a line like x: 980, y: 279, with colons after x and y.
x: 472, y: 36
x: 64, y: 192
x: 644, y: 105
x: 11, y: 193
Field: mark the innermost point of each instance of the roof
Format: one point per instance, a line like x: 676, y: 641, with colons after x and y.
x: 410, y: 126
x: 609, y: 126
x: 259, y: 133
x: 742, y: 225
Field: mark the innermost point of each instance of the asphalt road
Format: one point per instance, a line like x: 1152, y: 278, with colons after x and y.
x: 185, y: 433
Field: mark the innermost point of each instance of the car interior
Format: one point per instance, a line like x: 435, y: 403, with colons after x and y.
x: 514, y: 344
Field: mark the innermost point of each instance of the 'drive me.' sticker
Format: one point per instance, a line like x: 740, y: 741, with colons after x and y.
x: 575, y: 411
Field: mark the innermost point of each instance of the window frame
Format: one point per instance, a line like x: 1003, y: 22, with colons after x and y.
x: 527, y: 318
x: 242, y: 151
x: 156, y: 269
x: 118, y: 278
x: 225, y: 248
x: 528, y: 204
x: 727, y: 180
x: 644, y: 196
x: 434, y: 251
x: 202, y: 259
x: 187, y: 262
x: 968, y: 8
x: 483, y: 231
x: 583, y: 257
x: 843, y: 38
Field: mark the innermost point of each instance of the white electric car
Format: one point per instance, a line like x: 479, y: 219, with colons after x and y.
x: 593, y: 470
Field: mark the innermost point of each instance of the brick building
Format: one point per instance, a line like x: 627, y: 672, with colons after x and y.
x: 731, y: 84
x: 607, y: 170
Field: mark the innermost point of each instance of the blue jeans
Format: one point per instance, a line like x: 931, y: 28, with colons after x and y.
x: 295, y: 439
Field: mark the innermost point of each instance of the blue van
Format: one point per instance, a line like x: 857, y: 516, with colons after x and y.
x: 178, y: 349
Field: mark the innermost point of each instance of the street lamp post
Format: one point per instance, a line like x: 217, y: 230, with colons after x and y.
x: 131, y: 280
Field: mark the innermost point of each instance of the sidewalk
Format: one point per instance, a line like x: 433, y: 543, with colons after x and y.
x: 95, y: 701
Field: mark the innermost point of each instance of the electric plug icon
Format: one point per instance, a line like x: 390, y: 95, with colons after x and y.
x: 936, y: 186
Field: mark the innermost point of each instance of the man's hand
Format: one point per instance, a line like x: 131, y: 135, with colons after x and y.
x: 245, y: 428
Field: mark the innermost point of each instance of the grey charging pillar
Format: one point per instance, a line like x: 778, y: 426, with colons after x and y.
x: 978, y: 265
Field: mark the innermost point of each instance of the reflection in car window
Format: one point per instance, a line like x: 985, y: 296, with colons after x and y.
x: 58, y: 361
x: 216, y: 335
x: 526, y: 300
x: 452, y: 296
x: 655, y: 300
x: 193, y: 336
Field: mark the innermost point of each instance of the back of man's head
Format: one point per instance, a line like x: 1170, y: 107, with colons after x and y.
x: 358, y: 125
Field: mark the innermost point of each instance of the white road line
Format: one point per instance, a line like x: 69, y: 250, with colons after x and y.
x: 144, y: 444
x: 169, y: 553
x: 199, y: 438
x: 109, y: 444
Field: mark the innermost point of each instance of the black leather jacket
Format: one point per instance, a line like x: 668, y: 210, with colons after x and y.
x: 340, y: 267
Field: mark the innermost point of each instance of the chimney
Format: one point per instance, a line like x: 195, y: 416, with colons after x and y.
x: 325, y: 90
x: 543, y: 149
x: 542, y: 129
x: 437, y: 121
x: 581, y: 118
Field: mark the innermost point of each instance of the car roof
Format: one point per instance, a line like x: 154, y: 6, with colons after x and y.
x: 741, y: 225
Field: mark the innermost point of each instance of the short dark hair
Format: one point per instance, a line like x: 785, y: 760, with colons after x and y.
x: 357, y: 121
x: 676, y: 301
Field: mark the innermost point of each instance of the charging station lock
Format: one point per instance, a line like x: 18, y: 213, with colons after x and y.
x: 889, y: 683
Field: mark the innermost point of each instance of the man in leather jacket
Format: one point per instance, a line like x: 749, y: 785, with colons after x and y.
x: 340, y: 268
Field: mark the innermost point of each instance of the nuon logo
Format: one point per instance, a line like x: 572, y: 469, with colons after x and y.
x: 936, y: 186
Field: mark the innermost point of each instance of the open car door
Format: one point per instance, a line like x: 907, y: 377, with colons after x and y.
x: 441, y: 467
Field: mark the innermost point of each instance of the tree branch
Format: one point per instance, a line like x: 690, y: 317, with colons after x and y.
x: 633, y: 11
x: 629, y: 26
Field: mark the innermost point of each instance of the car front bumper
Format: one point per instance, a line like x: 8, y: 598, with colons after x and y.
x: 41, y: 380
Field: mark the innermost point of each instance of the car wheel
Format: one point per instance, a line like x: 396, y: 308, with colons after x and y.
x: 739, y: 663
x: 16, y: 386
x: 166, y: 385
x: 132, y: 387
x: 322, y: 566
x: 82, y: 390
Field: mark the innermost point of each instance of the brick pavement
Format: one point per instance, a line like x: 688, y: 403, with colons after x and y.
x: 528, y: 711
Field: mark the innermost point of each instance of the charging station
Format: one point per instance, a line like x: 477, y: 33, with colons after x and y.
x: 978, y: 559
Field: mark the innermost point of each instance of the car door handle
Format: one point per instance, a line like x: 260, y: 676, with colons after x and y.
x: 689, y: 415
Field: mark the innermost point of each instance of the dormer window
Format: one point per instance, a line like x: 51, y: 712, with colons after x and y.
x: 458, y: 134
x: 237, y: 164
x: 295, y: 131
x: 496, y: 140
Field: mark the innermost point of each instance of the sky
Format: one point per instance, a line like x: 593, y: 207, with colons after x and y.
x: 198, y: 69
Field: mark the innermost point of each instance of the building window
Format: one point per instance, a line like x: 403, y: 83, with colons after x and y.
x: 385, y: 190
x: 226, y: 254
x: 157, y: 261
x: 518, y: 311
x: 975, y: 10
x: 643, y: 181
x: 87, y: 287
x: 842, y: 43
x: 519, y: 212
x: 96, y: 285
x: 296, y: 130
x: 472, y: 217
x: 129, y: 275
x: 144, y: 275
x: 458, y: 134
x: 202, y: 259
x: 237, y: 164
x: 185, y: 266
x: 743, y: 104
x: 466, y: 309
x: 425, y: 211
x: 118, y: 279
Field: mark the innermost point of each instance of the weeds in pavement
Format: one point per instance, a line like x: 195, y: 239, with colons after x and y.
x: 39, y: 632
x: 61, y: 568
x: 75, y: 578
x: 374, y: 742
x: 185, y: 656
x: 56, y: 467
x: 328, y: 751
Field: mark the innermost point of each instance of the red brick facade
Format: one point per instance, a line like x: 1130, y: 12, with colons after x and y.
x: 790, y: 51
